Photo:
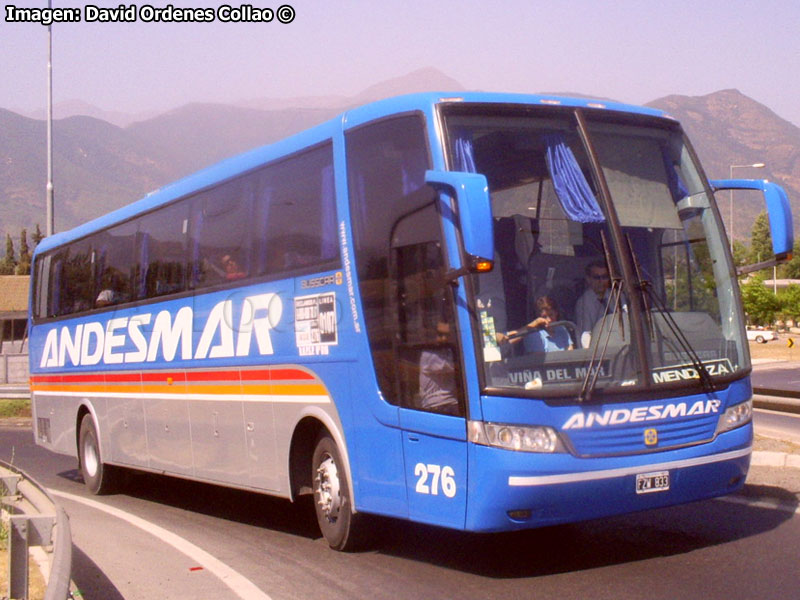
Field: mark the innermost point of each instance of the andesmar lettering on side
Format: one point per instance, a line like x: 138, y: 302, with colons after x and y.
x: 171, y: 335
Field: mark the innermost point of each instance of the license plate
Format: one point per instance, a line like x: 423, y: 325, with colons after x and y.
x: 652, y: 482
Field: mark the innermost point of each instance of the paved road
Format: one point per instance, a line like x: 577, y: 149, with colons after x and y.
x: 782, y: 378
x: 745, y: 547
x: 778, y: 425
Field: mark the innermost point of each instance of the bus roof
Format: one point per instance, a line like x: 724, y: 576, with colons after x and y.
x: 425, y: 102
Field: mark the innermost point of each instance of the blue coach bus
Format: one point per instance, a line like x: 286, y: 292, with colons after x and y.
x: 485, y: 312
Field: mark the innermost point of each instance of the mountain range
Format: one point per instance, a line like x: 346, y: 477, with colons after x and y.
x: 104, y: 160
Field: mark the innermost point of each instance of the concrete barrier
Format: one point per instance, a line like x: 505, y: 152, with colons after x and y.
x: 14, y: 368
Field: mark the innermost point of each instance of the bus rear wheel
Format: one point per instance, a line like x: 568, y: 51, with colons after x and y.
x: 97, y: 476
x: 341, y: 527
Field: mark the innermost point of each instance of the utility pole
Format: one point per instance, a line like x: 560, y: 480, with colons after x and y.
x: 50, y: 227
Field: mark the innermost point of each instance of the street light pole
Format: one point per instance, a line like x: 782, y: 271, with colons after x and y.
x: 753, y: 166
x: 50, y: 228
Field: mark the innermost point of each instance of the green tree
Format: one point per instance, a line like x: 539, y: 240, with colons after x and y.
x: 24, y: 265
x: 37, y: 236
x: 9, y: 262
x: 790, y: 302
x: 740, y: 253
x: 761, y: 241
x: 760, y: 304
x: 791, y: 269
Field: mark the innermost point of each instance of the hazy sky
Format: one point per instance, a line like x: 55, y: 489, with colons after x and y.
x: 634, y: 51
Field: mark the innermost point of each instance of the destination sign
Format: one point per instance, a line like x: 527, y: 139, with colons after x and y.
x: 564, y: 372
x: 687, y: 372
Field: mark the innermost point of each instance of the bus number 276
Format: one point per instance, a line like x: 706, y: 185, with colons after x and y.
x: 439, y: 476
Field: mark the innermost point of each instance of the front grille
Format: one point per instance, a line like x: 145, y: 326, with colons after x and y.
x: 629, y: 438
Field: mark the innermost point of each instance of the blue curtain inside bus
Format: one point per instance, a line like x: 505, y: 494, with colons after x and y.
x: 465, y: 159
x: 676, y: 187
x: 573, y: 191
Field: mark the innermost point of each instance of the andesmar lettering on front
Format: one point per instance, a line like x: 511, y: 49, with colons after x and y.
x: 641, y: 414
x: 126, y: 340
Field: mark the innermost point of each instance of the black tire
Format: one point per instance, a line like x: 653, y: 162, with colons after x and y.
x: 341, y: 527
x: 98, y: 477
x: 760, y: 339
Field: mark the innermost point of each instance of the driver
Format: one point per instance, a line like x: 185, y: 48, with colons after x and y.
x: 544, y: 337
x: 592, y: 305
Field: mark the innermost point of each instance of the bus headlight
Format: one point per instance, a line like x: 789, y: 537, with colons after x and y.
x: 515, y: 437
x: 736, y: 416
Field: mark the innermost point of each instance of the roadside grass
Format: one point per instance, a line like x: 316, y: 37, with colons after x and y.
x: 3, y: 555
x: 15, y: 407
x: 3, y: 535
x: 3, y: 558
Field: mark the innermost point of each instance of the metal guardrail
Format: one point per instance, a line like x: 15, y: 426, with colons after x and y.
x: 15, y: 391
x: 35, y: 520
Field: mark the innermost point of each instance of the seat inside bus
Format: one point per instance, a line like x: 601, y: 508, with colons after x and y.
x: 531, y: 270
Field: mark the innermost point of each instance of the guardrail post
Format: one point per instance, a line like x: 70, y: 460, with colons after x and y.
x: 18, y: 557
x: 25, y: 531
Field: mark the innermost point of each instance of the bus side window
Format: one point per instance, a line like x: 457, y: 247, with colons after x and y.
x: 220, y: 236
x: 295, y: 216
x: 75, y: 281
x: 165, y: 251
x: 115, y: 264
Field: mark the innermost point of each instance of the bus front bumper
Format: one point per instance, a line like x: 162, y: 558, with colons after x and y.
x: 514, y: 490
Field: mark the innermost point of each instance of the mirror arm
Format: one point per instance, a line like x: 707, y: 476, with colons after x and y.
x: 474, y: 264
x: 745, y: 269
x: 453, y: 275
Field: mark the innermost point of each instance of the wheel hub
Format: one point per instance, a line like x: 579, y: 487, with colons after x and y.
x: 329, y: 497
x: 90, y: 460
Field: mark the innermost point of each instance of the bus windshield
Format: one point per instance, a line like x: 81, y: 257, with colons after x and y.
x: 611, y: 272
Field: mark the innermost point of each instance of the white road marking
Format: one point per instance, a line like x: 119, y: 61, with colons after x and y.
x: 239, y: 585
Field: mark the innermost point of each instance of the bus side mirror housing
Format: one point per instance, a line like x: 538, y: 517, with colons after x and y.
x: 474, y: 210
x: 778, y: 210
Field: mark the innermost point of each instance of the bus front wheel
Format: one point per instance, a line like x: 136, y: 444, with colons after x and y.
x: 96, y: 475
x: 340, y: 526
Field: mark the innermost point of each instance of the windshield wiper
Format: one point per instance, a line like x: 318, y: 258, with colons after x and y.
x: 606, y: 327
x: 603, y: 339
x: 679, y: 336
x: 648, y: 293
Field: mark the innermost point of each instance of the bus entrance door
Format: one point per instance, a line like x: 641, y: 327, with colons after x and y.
x: 435, y: 452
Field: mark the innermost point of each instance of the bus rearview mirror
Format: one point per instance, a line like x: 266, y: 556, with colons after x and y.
x: 778, y: 211
x: 474, y: 210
